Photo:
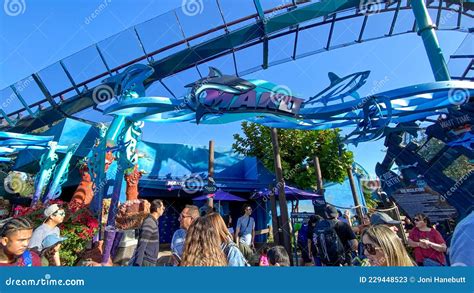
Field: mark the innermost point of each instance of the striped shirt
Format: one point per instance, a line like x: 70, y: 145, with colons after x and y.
x: 148, y: 243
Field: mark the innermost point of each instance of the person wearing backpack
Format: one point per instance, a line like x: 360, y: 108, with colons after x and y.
x: 302, y: 242
x: 234, y: 257
x: 313, y: 252
x: 334, y: 240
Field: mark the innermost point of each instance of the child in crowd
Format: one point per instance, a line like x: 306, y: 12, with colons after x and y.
x: 51, y: 245
x: 263, y: 260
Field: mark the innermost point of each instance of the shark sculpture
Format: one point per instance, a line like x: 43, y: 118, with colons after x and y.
x: 339, y: 88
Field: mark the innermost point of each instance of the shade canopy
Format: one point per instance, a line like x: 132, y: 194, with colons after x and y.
x: 221, y: 195
x: 292, y: 193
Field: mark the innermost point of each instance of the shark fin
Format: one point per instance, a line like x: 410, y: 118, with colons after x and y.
x: 200, y: 111
x: 333, y: 77
x: 214, y: 72
x: 355, y: 95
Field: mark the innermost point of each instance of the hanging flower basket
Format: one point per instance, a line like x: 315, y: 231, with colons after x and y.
x: 131, y: 214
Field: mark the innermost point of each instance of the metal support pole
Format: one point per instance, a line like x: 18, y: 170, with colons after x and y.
x: 426, y: 30
x: 285, y: 223
x: 354, y: 193
x: 210, y: 200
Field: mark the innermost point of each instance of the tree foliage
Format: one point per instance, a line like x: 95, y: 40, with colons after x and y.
x: 296, y: 147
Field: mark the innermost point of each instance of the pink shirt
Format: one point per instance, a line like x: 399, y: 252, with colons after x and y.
x: 263, y: 262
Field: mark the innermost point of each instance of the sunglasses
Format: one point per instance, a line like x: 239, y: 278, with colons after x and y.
x: 371, y: 249
x: 61, y: 213
x: 184, y: 216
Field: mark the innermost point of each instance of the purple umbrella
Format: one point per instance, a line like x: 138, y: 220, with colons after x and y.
x: 221, y: 195
x: 292, y: 193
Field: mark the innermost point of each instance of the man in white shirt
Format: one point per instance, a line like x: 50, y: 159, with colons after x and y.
x: 54, y: 216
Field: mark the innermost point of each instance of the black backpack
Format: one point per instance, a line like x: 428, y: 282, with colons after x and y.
x: 330, y: 248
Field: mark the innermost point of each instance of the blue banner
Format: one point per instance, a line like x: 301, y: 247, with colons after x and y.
x: 256, y: 279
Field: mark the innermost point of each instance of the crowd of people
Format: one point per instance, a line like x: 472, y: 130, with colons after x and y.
x: 210, y: 239
x: 376, y: 240
x: 22, y: 245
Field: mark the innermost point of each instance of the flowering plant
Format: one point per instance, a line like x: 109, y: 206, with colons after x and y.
x: 79, y: 226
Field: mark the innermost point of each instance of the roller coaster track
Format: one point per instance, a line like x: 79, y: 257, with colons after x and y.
x: 285, y: 20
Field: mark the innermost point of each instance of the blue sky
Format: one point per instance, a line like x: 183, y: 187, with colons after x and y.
x: 50, y: 30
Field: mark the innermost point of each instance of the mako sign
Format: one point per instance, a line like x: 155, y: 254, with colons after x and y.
x: 218, y: 100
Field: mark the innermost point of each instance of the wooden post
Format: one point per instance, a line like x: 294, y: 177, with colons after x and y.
x: 354, y: 193
x: 319, y: 176
x: 401, y: 229
x: 318, y: 210
x: 275, y: 225
x: 285, y: 223
x: 210, y: 200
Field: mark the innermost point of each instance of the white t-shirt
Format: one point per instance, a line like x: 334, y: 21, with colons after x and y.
x: 39, y: 234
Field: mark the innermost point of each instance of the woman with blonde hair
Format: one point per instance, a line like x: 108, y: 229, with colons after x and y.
x: 235, y: 258
x: 383, y: 247
x: 202, y: 246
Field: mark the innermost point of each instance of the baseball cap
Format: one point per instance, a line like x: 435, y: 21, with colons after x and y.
x: 51, y: 240
x: 51, y: 210
x: 379, y: 218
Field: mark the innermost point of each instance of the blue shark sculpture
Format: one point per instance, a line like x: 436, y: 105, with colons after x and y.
x: 340, y: 88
